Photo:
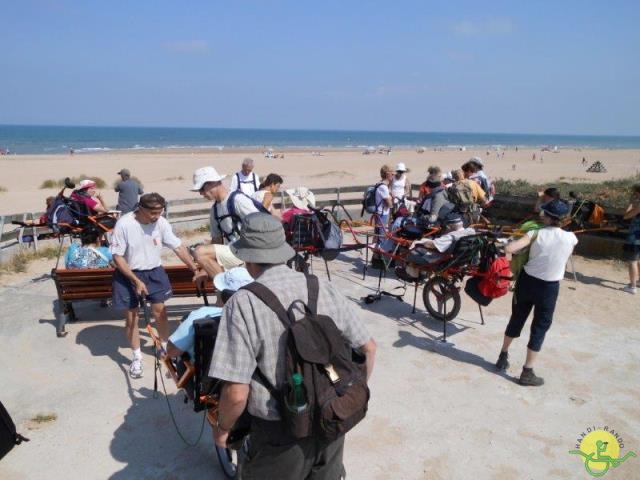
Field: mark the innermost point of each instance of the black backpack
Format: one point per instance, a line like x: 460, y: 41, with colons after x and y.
x: 235, y: 218
x: 330, y: 235
x: 334, y: 375
x: 9, y: 438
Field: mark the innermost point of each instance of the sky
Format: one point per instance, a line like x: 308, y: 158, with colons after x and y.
x: 561, y: 67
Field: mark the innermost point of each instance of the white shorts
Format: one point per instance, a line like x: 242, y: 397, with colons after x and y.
x: 226, y: 258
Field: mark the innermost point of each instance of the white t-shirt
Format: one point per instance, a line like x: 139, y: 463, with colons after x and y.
x: 398, y: 186
x: 382, y: 192
x: 243, y: 206
x: 443, y: 242
x: 549, y: 253
x: 140, y: 244
x: 248, y: 183
x: 259, y: 196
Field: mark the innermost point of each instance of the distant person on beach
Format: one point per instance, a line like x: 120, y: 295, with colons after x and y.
x: 268, y: 190
x: 136, y: 245
x: 87, y: 194
x: 246, y: 179
x: 631, y: 248
x: 538, y: 285
x: 227, y: 212
x: 128, y: 190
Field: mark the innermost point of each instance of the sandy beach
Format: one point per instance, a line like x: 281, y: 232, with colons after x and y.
x: 169, y: 171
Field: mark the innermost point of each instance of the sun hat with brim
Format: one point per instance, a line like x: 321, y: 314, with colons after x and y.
x: 204, y: 175
x: 555, y: 208
x: 84, y: 184
x: 262, y: 240
x: 477, y: 161
x: 301, y: 197
x: 401, y: 167
x: 233, y: 279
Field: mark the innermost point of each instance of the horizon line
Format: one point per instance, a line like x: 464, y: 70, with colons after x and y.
x: 324, y: 130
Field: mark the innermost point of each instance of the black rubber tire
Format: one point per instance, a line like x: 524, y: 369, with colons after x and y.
x: 437, y: 288
x: 228, y: 460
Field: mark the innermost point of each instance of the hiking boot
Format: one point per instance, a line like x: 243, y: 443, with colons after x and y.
x: 135, y: 369
x: 503, y: 361
x: 630, y: 289
x: 529, y: 379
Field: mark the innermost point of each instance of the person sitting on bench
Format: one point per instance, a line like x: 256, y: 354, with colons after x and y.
x: 88, y: 254
x: 227, y: 283
x: 434, y: 249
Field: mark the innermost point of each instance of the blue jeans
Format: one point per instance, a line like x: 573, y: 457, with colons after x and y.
x: 539, y: 295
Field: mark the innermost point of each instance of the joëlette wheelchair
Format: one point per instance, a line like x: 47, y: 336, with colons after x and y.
x: 190, y: 375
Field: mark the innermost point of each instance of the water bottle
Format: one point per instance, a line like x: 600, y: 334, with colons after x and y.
x: 297, y: 401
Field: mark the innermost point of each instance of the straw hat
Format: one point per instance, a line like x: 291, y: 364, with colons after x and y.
x: 302, y: 197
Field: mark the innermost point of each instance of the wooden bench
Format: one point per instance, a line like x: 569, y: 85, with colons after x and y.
x: 95, y: 284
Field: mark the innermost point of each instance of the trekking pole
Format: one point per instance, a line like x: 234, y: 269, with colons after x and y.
x: 156, y: 341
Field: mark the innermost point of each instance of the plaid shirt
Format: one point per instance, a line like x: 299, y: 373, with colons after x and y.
x: 251, y: 335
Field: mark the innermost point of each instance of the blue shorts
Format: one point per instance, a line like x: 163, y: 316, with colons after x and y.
x: 156, y: 280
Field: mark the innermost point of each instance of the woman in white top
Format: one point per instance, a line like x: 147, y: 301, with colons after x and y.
x: 400, y: 185
x: 538, y: 285
x: 267, y: 190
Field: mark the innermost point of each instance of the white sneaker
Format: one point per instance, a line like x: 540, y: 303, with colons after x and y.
x: 630, y: 289
x: 135, y: 369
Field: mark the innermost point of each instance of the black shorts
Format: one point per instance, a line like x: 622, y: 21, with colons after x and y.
x: 156, y: 280
x: 630, y: 252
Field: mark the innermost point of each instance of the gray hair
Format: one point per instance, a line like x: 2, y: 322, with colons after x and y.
x: 248, y: 162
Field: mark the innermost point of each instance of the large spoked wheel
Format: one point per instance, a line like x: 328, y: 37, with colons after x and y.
x: 437, y: 294
x: 228, y: 460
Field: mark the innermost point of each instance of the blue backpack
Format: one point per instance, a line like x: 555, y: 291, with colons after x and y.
x: 235, y: 218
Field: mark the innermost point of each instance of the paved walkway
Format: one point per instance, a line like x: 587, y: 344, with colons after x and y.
x: 437, y: 411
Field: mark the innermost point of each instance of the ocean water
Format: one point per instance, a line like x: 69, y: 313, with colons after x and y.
x: 59, y: 140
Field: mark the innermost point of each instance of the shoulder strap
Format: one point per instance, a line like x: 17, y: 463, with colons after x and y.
x: 255, y: 185
x: 313, y: 289
x: 239, y: 182
x: 270, y: 300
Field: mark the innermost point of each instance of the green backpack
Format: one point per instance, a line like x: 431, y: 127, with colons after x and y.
x: 520, y: 258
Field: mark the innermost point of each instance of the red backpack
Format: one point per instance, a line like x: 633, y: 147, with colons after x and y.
x: 495, y: 282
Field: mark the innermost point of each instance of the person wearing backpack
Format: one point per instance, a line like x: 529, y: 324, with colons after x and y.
x: 246, y: 179
x: 227, y: 212
x: 467, y: 196
x: 383, y: 201
x: 482, y: 178
x: 538, y: 285
x: 252, y: 355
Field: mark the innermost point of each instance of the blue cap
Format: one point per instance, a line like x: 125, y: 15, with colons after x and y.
x: 555, y: 208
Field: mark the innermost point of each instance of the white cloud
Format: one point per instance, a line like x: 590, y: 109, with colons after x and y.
x: 492, y: 26
x: 187, y: 46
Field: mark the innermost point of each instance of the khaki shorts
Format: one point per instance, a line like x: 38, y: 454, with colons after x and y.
x: 226, y: 258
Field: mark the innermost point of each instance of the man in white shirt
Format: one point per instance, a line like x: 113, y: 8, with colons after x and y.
x: 227, y: 212
x: 136, y: 244
x: 246, y: 179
